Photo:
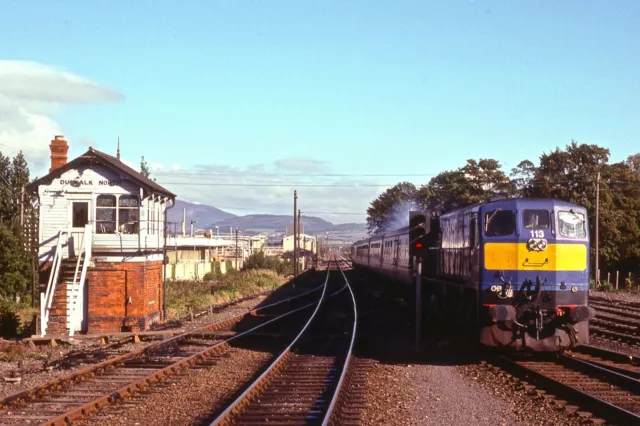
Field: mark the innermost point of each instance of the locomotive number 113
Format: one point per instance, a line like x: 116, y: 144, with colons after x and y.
x: 537, y: 234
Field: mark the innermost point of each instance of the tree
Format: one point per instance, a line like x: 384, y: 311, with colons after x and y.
x: 391, y: 208
x: 446, y: 191
x: 633, y: 161
x: 14, y: 175
x: 14, y: 258
x: 14, y: 265
x: 522, y: 177
x: 474, y: 182
x: 144, y: 169
x: 6, y: 191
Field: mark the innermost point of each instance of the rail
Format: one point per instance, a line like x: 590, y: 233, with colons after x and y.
x: 347, y: 363
x: 302, y: 385
x: 583, y: 382
x: 233, y: 407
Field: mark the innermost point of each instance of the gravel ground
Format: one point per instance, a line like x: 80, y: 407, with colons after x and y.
x: 523, y: 406
x: 187, y: 399
x: 430, y: 394
x: 628, y: 348
x: 45, y: 363
x: 469, y: 394
x: 621, y: 296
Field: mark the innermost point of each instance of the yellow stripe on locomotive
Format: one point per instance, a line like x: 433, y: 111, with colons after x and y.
x: 519, y: 257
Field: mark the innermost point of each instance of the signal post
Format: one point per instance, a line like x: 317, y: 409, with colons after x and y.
x: 417, y: 232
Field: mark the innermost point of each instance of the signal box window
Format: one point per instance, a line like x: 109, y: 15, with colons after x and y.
x: 106, y: 214
x: 571, y: 224
x: 128, y: 212
x: 535, y: 219
x: 499, y: 223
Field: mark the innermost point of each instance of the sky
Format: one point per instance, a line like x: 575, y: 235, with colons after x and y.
x: 236, y: 104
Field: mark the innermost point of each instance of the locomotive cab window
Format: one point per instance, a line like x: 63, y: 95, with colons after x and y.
x: 571, y: 224
x: 535, y: 219
x: 499, y: 223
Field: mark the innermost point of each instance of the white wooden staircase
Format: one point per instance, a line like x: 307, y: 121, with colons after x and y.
x: 62, y: 304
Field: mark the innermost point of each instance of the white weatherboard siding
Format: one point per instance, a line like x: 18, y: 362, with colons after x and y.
x: 86, y: 184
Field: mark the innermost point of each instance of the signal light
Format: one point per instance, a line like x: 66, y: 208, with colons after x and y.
x: 417, y: 230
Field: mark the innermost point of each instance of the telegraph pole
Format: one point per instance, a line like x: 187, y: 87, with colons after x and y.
x: 295, y: 254
x: 298, y: 240
x: 597, y: 229
x: 237, y: 265
x: 304, y: 253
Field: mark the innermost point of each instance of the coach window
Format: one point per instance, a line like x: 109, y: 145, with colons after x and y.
x: 535, y: 219
x: 499, y: 223
x: 571, y: 224
x: 472, y: 233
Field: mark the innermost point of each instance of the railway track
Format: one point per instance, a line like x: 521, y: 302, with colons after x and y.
x: 604, y: 383
x: 302, y: 385
x: 622, y: 363
x: 616, y: 322
x: 97, y: 352
x: 619, y: 303
x: 77, y: 395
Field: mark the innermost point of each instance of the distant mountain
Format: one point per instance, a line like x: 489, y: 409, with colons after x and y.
x: 201, y: 213
x: 208, y: 217
x: 350, y: 227
x: 269, y: 223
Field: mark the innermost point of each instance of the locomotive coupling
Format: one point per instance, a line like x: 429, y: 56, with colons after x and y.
x: 582, y: 313
x: 503, y: 313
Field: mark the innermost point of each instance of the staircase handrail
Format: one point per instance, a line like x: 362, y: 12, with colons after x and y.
x: 46, y: 299
x: 77, y: 308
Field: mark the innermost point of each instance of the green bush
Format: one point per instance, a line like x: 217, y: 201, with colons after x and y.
x: 197, y: 295
x: 605, y: 286
x: 260, y: 261
x: 16, y: 320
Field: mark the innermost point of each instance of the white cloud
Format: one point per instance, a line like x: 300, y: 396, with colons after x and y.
x: 267, y: 188
x: 31, y: 94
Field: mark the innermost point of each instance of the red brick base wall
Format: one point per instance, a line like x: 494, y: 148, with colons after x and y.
x: 43, y: 274
x: 124, y: 296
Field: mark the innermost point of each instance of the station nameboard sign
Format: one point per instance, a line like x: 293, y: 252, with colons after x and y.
x: 90, y: 182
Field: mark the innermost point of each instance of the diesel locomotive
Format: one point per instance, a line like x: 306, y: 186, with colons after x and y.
x: 515, y: 270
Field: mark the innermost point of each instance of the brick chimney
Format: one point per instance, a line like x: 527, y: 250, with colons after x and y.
x: 59, y: 150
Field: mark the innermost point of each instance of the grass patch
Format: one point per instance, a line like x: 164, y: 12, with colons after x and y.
x: 183, y: 295
x: 16, y: 319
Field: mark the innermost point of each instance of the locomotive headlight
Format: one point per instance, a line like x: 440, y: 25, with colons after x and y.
x: 574, y: 289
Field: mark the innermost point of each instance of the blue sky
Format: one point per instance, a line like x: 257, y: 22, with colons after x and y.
x: 333, y: 87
